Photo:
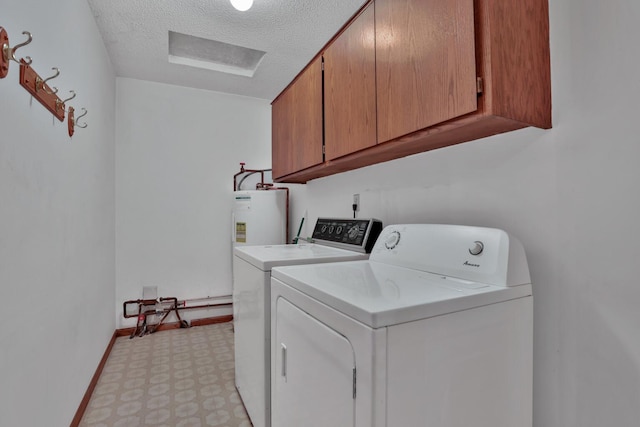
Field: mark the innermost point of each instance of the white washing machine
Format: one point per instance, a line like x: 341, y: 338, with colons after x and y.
x: 335, y: 240
x: 434, y: 329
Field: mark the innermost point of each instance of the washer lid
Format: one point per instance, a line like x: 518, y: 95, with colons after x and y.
x: 269, y: 256
x: 379, y: 294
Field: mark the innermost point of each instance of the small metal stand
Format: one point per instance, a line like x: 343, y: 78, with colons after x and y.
x: 149, y: 307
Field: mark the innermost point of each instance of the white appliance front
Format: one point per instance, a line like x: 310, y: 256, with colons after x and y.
x: 316, y: 383
x: 259, y: 217
x: 427, y: 349
x: 252, y: 313
x: 319, y: 355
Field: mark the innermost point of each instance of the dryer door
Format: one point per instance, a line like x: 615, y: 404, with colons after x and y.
x: 314, y: 372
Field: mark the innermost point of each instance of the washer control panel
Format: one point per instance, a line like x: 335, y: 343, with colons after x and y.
x: 351, y: 234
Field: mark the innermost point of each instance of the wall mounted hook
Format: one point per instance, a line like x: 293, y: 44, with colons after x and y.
x: 26, y: 59
x: 72, y: 122
x: 84, y: 113
x: 9, y: 53
x: 42, y: 84
x: 60, y: 104
x: 73, y: 95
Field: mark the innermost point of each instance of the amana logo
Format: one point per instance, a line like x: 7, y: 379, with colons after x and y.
x: 471, y: 265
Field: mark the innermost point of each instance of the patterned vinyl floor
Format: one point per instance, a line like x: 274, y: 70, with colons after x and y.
x: 175, y: 378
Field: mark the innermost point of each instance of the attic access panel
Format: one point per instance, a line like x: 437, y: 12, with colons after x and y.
x: 213, y: 55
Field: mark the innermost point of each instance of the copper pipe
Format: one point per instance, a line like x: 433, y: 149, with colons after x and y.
x: 243, y: 170
x: 141, y: 329
x: 139, y: 302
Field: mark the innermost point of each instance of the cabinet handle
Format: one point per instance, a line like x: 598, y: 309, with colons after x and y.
x: 283, y: 349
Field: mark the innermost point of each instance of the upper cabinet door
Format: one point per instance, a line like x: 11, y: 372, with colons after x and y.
x: 297, y: 123
x: 350, y: 88
x: 426, y: 70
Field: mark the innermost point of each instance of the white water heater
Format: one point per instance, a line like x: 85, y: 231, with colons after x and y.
x: 259, y: 217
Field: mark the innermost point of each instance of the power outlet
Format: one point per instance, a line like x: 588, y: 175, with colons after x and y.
x: 356, y: 201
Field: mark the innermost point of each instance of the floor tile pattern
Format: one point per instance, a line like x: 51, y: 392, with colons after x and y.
x: 175, y: 378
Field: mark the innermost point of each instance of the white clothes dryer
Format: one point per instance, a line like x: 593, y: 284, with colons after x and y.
x: 335, y: 240
x: 434, y: 329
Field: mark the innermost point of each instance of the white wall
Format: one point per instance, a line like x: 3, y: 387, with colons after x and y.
x: 56, y: 217
x: 571, y: 196
x: 176, y: 153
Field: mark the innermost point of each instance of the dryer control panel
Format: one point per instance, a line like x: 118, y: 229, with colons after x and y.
x: 351, y: 234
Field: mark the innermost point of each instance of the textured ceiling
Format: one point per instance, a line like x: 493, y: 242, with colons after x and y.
x: 291, y: 32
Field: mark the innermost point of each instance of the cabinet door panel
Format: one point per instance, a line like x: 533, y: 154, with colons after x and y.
x: 297, y: 123
x: 350, y: 88
x: 425, y: 58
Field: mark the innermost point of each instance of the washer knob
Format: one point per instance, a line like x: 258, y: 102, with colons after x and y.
x: 477, y: 248
x: 392, y: 240
x: 353, y: 232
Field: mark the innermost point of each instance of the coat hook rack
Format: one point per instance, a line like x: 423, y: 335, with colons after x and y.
x: 9, y: 53
x: 40, y: 90
x: 37, y: 86
x: 72, y: 122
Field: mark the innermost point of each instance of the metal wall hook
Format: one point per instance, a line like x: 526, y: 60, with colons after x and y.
x: 83, y: 125
x: 60, y: 104
x: 40, y: 84
x: 73, y: 95
x: 9, y: 53
x: 72, y: 121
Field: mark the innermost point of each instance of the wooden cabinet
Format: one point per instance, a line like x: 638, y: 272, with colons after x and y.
x: 425, y: 64
x: 350, y: 88
x: 296, y: 139
x: 447, y: 71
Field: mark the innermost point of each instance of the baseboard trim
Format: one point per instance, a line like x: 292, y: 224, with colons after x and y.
x: 92, y: 385
x: 212, y: 320
x: 127, y: 332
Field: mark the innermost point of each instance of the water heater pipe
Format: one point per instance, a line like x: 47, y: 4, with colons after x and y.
x: 252, y: 171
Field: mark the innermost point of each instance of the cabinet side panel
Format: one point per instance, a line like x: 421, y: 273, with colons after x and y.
x: 517, y: 42
x: 350, y: 88
x: 425, y: 59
